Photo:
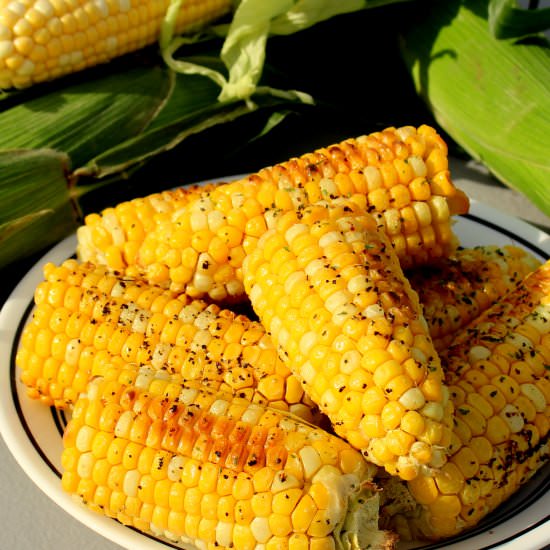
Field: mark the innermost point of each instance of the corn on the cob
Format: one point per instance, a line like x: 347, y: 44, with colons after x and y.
x: 119, y: 231
x: 200, y: 467
x: 326, y: 284
x: 497, y: 371
x: 455, y: 290
x: 400, y: 174
x: 45, y: 39
x: 87, y: 320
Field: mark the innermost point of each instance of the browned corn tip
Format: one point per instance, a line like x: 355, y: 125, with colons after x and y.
x: 87, y: 319
x: 204, y: 468
x: 500, y: 386
x: 326, y: 284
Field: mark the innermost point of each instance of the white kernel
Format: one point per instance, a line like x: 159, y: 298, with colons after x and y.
x: 140, y: 318
x: 144, y: 378
x: 512, y: 417
x: 202, y: 282
x: 294, y: 230
x: 330, y: 238
x: 478, y: 353
x: 307, y: 341
x: 131, y: 482
x: 418, y: 166
x: 336, y: 300
x: 350, y: 361
x: 219, y: 407
x: 405, y: 132
x: 85, y: 465
x: 433, y: 410
x: 260, y: 529
x: 84, y: 439
x: 373, y: 177
x: 216, y: 220
x: 18, y: 8
x: 235, y: 288
x: 344, y: 312
x: 373, y: 311
x: 224, y: 534
x: 252, y: 414
x: 72, y: 352
x: 198, y: 221
x: 535, y: 395
x: 284, y: 481
x: 188, y: 395
x: 423, y: 213
x: 44, y: 7
x: 294, y: 280
x: 175, y: 467
x: 308, y: 372
x: 328, y: 188
x: 439, y: 208
x: 160, y: 355
x: 357, y: 284
x: 413, y: 399
x: 102, y: 6
x: 203, y: 319
x: 314, y: 266
x: 311, y: 461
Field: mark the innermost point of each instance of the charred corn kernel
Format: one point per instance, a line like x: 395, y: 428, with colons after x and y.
x: 151, y: 326
x: 377, y: 410
x: 455, y: 290
x: 238, y: 213
x: 497, y: 443
x: 45, y: 40
x: 315, y: 501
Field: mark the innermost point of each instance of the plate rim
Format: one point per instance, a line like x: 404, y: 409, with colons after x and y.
x: 26, y: 453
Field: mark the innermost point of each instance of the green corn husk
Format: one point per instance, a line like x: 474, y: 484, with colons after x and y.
x: 491, y: 96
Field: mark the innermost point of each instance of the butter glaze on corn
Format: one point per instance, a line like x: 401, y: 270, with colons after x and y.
x: 204, y: 468
x: 44, y: 39
x: 399, y: 174
x: 499, y: 382
x: 326, y: 284
x: 454, y: 291
x: 88, y: 320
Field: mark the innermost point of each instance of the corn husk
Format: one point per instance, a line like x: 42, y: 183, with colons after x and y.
x: 491, y: 96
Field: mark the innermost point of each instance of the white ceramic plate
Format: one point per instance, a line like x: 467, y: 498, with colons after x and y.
x: 33, y: 432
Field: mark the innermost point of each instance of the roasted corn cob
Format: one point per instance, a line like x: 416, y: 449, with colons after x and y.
x: 44, y: 39
x: 199, y: 467
x: 326, y: 283
x: 119, y: 231
x: 497, y: 371
x: 400, y: 174
x: 87, y: 319
x: 454, y: 291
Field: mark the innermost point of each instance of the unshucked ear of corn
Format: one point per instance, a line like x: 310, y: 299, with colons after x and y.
x: 216, y: 471
x: 44, y: 39
x: 491, y: 96
x: 88, y: 321
x: 399, y: 174
x: 497, y: 372
x: 326, y: 283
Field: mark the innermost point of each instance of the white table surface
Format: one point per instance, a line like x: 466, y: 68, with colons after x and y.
x: 29, y: 520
